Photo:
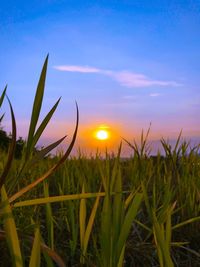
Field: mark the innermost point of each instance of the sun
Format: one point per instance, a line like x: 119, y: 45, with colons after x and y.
x: 102, y: 134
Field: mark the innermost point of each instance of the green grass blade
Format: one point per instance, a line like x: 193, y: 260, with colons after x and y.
x: 90, y: 225
x: 36, y: 108
x: 162, y: 246
x: 44, y: 124
x: 130, y: 216
x: 11, y: 231
x: 82, y: 219
x: 191, y: 220
x: 106, y: 231
x: 49, y: 218
x: 45, y: 200
x: 11, y: 147
x: 118, y: 214
x: 43, y: 152
x: 35, y: 253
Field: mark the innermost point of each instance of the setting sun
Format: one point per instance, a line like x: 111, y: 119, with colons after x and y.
x: 102, y: 134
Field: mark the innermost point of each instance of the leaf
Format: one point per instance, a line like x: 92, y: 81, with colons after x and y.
x: 43, y: 152
x: 191, y: 220
x: 90, y: 224
x: 11, y: 148
x: 82, y: 217
x: 44, y: 124
x: 130, y: 216
x: 45, y: 200
x: 3, y: 95
x: 1, y: 118
x: 11, y: 231
x: 35, y: 253
x: 36, y: 108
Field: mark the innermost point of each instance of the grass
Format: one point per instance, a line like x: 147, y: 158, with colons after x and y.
x: 62, y: 211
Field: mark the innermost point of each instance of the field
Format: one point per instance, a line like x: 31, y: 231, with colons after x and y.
x: 101, y: 212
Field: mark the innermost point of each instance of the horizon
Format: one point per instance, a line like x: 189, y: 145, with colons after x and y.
x: 126, y: 64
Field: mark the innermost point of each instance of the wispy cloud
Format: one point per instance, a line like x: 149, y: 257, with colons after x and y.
x: 131, y: 79
x: 154, y: 94
x: 124, y: 78
x: 82, y: 69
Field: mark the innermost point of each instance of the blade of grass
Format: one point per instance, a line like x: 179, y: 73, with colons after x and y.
x: 11, y: 148
x: 191, y: 220
x: 35, y: 253
x: 90, y: 225
x: 36, y: 108
x: 11, y: 231
x: 41, y: 201
x: 49, y: 218
x: 3, y: 95
x: 44, y: 124
x: 130, y: 216
x: 82, y: 220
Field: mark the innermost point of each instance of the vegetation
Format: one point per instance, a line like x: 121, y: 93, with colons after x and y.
x: 61, y: 211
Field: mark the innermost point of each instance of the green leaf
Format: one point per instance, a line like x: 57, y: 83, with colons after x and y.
x: 45, y: 200
x: 90, y: 225
x: 82, y: 217
x: 43, y: 152
x: 35, y: 253
x: 11, y: 148
x: 11, y: 231
x: 36, y: 108
x: 44, y: 124
x: 130, y: 216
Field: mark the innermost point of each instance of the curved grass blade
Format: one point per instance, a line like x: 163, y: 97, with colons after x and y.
x: 2, y: 117
x: 36, y: 107
x: 54, y: 168
x: 11, y: 147
x: 3, y: 95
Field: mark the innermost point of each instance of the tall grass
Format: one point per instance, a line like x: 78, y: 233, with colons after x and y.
x: 61, y: 211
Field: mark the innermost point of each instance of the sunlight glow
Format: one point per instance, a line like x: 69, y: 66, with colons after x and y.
x: 102, y: 134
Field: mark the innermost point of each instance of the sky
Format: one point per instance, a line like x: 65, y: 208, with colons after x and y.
x: 126, y: 63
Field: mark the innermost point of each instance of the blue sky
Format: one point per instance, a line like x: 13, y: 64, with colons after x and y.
x: 127, y: 63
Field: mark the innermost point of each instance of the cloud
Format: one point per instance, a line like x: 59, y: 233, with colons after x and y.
x: 154, y: 94
x: 131, y: 79
x: 82, y: 69
x: 124, y: 78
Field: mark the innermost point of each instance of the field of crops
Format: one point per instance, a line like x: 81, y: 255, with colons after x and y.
x: 103, y: 211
